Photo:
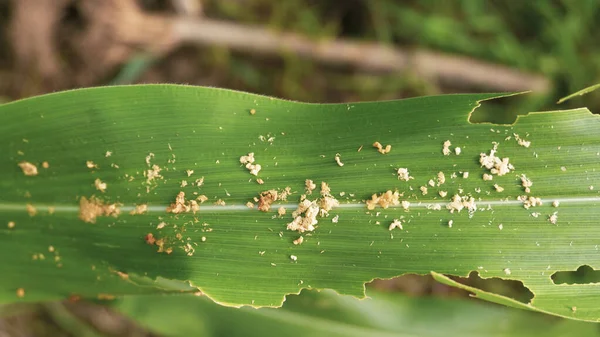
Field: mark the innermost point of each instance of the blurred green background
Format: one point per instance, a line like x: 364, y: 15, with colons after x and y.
x: 44, y: 48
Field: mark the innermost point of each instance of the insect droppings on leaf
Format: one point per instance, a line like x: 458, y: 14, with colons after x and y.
x: 45, y: 165
x: 266, y: 199
x: 403, y: 174
x: 526, y: 183
x: 487, y: 177
x: 11, y: 224
x: 28, y: 168
x: 384, y: 200
x: 556, y: 203
x: 100, y: 186
x: 149, y: 238
x: 441, y: 178
x: 553, y: 219
x: 458, y: 203
x: 20, y: 292
x: 293, y: 258
x: 446, y: 149
x: 248, y: 162
x: 450, y: 223
x: 498, y: 188
x: 139, y: 209
x: 338, y: 160
x: 31, y: 210
x: 310, y: 186
x: 496, y: 165
x: 90, y: 209
x: 381, y: 149
x: 395, y: 224
x: 529, y: 201
x: 299, y: 240
x: 253, y: 111
x: 281, y: 211
x: 507, y: 271
x: 91, y: 165
x: 182, y: 206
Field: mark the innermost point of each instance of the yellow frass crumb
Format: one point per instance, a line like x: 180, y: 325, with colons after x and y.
x: 526, y: 183
x: 266, y: 199
x: 253, y: 111
x: 496, y: 165
x: 441, y: 178
x: 90, y: 209
x: 11, y: 224
x: 395, y: 224
x: 182, y: 206
x: 556, y: 203
x: 293, y: 258
x: 507, y: 271
x: 45, y: 165
x: 423, y: 190
x: 31, y: 210
x: 20, y: 292
x: 338, y: 160
x: 381, y: 149
x: 457, y: 150
x: 249, y: 204
x: 384, y: 200
x: 487, y: 177
x: 90, y: 164
x: 100, y: 186
x: 553, y: 219
x: 458, y: 203
x: 403, y: 174
x: 248, y: 161
x: 431, y: 183
x: 281, y: 211
x: 522, y: 141
x: 465, y: 175
x: 310, y: 186
x: 529, y: 201
x: 443, y: 194
x: 498, y: 188
x: 139, y: 209
x: 446, y: 149
x: 450, y: 223
x: 299, y: 240
x: 28, y: 168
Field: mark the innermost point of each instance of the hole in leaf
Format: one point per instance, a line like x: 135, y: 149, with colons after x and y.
x: 422, y: 285
x: 583, y: 275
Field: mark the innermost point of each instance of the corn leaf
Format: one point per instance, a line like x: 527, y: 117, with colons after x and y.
x: 92, y: 206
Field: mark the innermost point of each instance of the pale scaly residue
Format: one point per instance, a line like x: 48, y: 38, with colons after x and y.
x: 458, y: 203
x: 100, y: 185
x: 90, y: 209
x: 403, y: 174
x: 496, y: 165
x: 181, y: 205
x: 526, y: 183
x: 248, y: 162
x: 381, y: 149
x: 384, y: 200
x: 28, y: 168
x: 395, y: 224
x: 446, y: 149
x: 529, y: 201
